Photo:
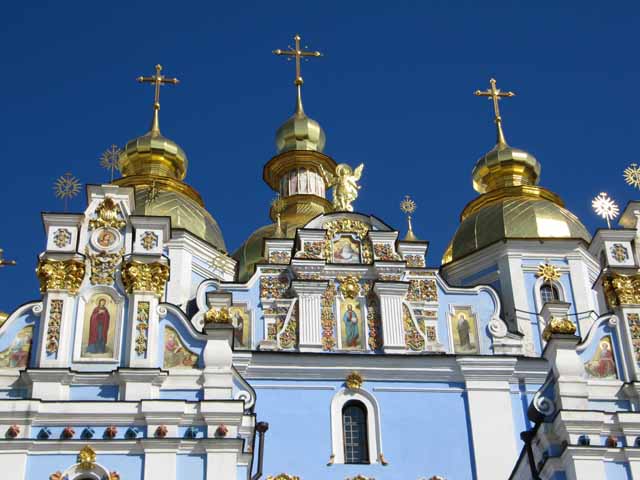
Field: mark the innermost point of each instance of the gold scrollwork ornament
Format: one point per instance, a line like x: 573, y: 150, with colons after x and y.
x: 107, y: 215
x: 354, y: 381
x: 349, y: 286
x: 86, y: 458
x: 283, y: 476
x: 217, y: 315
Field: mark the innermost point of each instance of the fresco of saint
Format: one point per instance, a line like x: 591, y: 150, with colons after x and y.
x: 464, y: 333
x: 602, y: 364
x: 351, y: 324
x: 240, y: 322
x: 346, y: 250
x: 17, y: 354
x: 99, y: 323
x: 176, y: 355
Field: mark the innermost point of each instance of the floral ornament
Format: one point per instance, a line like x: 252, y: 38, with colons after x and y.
x: 283, y: 476
x: 222, y: 430
x: 422, y: 290
x: 414, y: 261
x: 412, y: 337
x: 354, y: 381
x: 53, y: 327
x: 349, y: 286
x: 62, y: 237
x: 632, y: 175
x: 619, y: 252
x: 161, y: 431
x: 142, y: 326
x: 111, y: 431
x: 107, y: 215
x: 87, y: 458
x: 68, y: 432
x: 558, y: 325
x: 149, y: 240
x: 13, y: 431
x: 605, y: 207
x: 327, y: 317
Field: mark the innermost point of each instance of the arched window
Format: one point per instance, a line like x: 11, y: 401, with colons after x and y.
x: 549, y: 293
x: 355, y: 435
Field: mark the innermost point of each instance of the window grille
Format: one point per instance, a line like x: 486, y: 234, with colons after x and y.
x: 549, y: 293
x: 354, y: 427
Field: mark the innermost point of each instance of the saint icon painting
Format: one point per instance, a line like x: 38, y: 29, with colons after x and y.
x: 346, y: 250
x: 99, y: 326
x: 351, y: 325
x: 463, y: 330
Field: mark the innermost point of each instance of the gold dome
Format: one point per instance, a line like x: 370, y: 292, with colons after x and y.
x: 505, y: 166
x: 300, y: 132
x: 513, y: 213
x: 153, y: 154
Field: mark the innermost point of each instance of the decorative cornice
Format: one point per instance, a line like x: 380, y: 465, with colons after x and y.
x: 60, y: 275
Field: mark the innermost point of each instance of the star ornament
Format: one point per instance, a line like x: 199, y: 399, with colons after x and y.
x: 605, y: 207
x: 632, y: 175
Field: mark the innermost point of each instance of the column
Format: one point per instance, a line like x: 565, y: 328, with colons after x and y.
x: 391, y: 295
x: 217, y: 357
x: 490, y: 414
x: 310, y: 314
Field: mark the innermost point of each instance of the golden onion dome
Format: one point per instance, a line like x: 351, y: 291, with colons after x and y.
x: 511, y: 204
x: 516, y: 213
x: 505, y: 166
x: 153, y: 154
x: 155, y: 166
x: 300, y: 132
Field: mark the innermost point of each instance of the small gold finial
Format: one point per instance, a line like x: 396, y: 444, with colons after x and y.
x: 5, y: 263
x: 632, y: 175
x: 496, y: 94
x: 158, y: 80
x: 408, y: 206
x: 605, y: 207
x: 278, y: 207
x: 110, y: 159
x: 65, y: 187
x: 298, y: 54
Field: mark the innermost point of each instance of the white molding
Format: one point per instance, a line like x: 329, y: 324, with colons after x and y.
x: 374, y: 433
x: 293, y: 387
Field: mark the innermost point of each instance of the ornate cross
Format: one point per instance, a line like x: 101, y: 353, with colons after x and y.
x: 158, y: 80
x: 495, y: 94
x: 298, y: 54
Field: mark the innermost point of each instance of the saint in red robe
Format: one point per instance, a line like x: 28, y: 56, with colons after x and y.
x: 98, y: 329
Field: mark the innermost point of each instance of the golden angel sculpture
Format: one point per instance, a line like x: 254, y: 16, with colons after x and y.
x: 345, y: 189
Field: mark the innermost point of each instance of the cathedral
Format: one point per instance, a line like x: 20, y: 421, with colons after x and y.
x: 324, y: 347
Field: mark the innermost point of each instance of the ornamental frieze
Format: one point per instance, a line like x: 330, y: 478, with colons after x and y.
x: 289, y: 337
x: 140, y: 277
x: 273, y: 287
x: 414, y: 261
x: 373, y: 321
x: 60, y: 275
x: 142, y: 327
x: 385, y: 252
x: 53, y: 326
x: 422, y: 291
x: 622, y: 290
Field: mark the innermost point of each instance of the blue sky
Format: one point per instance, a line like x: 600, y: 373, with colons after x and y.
x: 394, y: 90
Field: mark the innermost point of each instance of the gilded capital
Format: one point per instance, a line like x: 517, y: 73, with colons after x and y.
x: 622, y: 290
x: 217, y: 315
x: 60, y: 275
x: 558, y: 325
x: 140, y: 277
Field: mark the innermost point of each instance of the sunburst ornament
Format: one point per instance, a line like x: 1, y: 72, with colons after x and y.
x: 632, y: 175
x: 549, y: 273
x: 110, y: 159
x: 65, y: 187
x: 408, y: 206
x: 605, y: 207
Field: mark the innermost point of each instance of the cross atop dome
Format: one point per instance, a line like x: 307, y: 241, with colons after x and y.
x: 496, y: 94
x: 158, y: 80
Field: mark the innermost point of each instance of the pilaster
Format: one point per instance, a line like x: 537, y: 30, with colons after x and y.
x: 217, y: 379
x: 391, y: 295
x: 310, y: 310
x: 568, y: 371
x: 489, y: 397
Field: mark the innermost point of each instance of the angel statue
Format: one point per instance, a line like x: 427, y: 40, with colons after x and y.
x: 345, y: 189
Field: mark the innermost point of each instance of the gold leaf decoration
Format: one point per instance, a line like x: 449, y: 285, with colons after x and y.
x: 60, y: 275
x: 107, y: 215
x: 145, y: 277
